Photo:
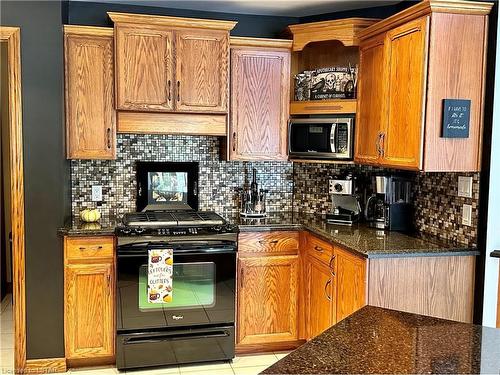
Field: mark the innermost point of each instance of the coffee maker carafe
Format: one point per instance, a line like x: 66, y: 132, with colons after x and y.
x: 390, y: 206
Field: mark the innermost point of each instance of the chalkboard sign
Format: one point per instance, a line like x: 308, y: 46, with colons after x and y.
x: 456, y: 118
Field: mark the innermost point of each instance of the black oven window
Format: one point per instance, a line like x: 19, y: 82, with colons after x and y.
x: 193, y: 287
x: 167, y: 187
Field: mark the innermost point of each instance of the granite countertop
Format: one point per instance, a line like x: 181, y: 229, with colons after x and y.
x: 378, y: 341
x: 359, y: 238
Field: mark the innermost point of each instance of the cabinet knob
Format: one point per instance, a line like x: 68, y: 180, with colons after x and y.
x: 318, y: 248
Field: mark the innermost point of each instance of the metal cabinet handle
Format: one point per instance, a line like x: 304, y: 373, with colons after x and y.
x: 178, y: 91
x: 319, y: 248
x: 108, y: 137
x: 326, y: 287
x: 108, y: 279
x: 169, y: 90
x: 377, y: 143
x: 330, y: 265
x: 382, y: 144
x: 234, y: 141
x: 272, y: 242
x: 241, y: 277
x: 90, y: 248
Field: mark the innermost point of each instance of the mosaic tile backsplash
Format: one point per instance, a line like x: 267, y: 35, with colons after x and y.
x: 438, y: 209
x: 218, y: 180
x: 298, y: 186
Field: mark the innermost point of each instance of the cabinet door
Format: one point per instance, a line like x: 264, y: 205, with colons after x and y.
x: 260, y: 92
x: 320, y: 310
x: 407, y: 51
x: 372, y: 86
x: 350, y: 278
x: 90, y: 113
x: 89, y: 316
x: 267, y: 299
x: 144, y: 68
x: 202, y: 71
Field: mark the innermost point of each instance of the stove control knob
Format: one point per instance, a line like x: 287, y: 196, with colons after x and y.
x: 125, y: 230
x: 139, y: 230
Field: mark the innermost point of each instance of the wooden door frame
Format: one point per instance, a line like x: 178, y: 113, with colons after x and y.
x: 12, y: 36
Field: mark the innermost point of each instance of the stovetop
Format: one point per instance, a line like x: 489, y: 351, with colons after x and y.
x: 173, y: 223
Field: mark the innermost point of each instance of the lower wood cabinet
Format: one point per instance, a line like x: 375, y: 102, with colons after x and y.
x: 267, y: 299
x: 89, y: 298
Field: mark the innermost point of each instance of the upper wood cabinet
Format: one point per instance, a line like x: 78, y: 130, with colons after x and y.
x: 145, y: 68
x: 410, y: 63
x: 89, y: 298
x: 170, y: 64
x: 202, y: 70
x: 90, y: 113
x: 260, y: 89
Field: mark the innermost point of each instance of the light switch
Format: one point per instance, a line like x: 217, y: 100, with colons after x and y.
x: 96, y: 193
x: 465, y: 186
x: 467, y: 214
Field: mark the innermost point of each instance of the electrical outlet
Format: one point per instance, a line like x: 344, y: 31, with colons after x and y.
x: 465, y: 186
x: 96, y: 193
x: 467, y: 214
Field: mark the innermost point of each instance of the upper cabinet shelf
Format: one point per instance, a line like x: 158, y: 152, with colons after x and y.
x: 323, y: 45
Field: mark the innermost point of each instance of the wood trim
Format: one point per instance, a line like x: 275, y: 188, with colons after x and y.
x: 268, y: 347
x: 309, y: 107
x: 196, y: 23
x: 238, y: 41
x: 424, y: 8
x: 46, y: 365
x: 171, y: 123
x: 344, y: 30
x: 88, y: 30
x: 12, y: 36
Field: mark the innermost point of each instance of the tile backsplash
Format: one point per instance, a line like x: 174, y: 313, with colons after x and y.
x: 298, y: 186
x: 218, y: 180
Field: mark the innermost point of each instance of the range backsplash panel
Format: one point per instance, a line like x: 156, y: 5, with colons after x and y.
x: 438, y: 209
x: 218, y: 180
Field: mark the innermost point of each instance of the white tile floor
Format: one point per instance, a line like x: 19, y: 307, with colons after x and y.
x: 242, y: 365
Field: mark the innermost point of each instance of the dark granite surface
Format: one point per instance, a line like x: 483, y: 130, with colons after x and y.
x: 379, y: 341
x: 75, y: 227
x: 359, y: 238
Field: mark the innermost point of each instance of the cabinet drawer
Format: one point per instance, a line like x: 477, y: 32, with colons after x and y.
x: 319, y: 249
x: 89, y: 247
x: 276, y: 242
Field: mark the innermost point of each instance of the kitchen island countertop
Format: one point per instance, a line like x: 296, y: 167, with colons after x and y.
x: 379, y: 341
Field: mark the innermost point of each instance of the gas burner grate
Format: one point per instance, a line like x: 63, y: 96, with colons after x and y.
x: 172, y: 218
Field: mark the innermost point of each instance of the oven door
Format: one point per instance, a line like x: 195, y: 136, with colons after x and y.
x: 203, y: 286
x: 321, y: 138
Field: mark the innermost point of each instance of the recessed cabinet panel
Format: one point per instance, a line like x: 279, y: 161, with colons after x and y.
x: 267, y: 299
x: 201, y: 70
x: 89, y: 310
x: 402, y: 137
x: 90, y: 114
x: 144, y: 63
x: 259, y: 104
x: 371, y: 85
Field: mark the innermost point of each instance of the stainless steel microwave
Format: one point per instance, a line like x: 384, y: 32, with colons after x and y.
x: 321, y: 137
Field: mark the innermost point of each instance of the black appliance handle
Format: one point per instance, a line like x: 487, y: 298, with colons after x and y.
x: 173, y: 337
x: 142, y: 252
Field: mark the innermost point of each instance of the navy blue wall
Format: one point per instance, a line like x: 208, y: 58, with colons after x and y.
x: 46, y: 172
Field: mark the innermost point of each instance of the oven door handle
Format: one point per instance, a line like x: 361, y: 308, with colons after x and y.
x: 173, y: 337
x: 142, y: 253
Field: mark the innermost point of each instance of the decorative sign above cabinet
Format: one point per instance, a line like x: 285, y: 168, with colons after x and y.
x: 456, y: 118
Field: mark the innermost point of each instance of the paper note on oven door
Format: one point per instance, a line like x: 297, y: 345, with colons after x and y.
x: 160, y: 270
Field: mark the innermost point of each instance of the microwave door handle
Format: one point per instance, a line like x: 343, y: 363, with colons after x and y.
x: 333, y: 138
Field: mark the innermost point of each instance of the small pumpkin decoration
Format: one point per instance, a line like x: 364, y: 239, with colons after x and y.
x: 91, y: 226
x: 90, y: 216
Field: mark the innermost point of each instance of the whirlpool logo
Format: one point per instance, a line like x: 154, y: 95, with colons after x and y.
x: 177, y: 317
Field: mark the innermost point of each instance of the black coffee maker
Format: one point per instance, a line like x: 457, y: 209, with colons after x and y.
x: 390, y: 206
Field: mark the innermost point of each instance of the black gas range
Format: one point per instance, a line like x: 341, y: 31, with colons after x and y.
x: 197, y: 325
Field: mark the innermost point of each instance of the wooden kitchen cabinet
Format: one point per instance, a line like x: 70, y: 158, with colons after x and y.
x: 267, y: 302
x: 89, y: 97
x: 171, y: 64
x: 409, y: 63
x: 260, y: 89
x: 202, y: 58
x: 144, y: 68
x: 320, y: 311
x: 89, y: 299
